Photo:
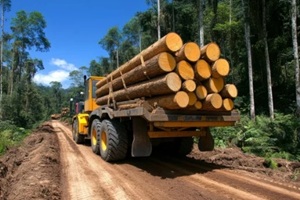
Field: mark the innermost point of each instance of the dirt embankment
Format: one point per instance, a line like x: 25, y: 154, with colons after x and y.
x: 49, y: 165
x: 32, y: 171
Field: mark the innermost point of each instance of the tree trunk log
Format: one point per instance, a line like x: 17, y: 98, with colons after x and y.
x: 172, y: 102
x: 213, y: 101
x: 202, y: 70
x: 198, y: 105
x: 171, y: 42
x: 165, y: 84
x: 229, y: 91
x: 188, y: 86
x: 192, y: 98
x: 214, y: 85
x: 210, y: 52
x: 220, y: 68
x: 159, y: 64
x: 190, y: 51
x: 228, y: 104
x: 201, y: 92
x: 185, y: 70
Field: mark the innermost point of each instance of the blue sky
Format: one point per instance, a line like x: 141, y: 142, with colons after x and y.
x: 74, y: 28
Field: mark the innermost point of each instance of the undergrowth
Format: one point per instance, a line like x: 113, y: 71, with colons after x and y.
x: 278, y: 138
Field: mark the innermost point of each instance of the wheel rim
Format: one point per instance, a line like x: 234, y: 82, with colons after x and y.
x: 103, y: 141
x: 94, y: 137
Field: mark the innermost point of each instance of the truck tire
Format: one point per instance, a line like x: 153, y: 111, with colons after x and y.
x: 185, y: 146
x: 95, y: 136
x: 78, y: 138
x: 113, y: 141
x: 206, y: 143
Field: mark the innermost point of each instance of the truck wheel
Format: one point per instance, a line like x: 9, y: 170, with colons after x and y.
x: 206, y: 143
x: 78, y: 138
x: 185, y: 146
x: 113, y: 140
x: 95, y: 136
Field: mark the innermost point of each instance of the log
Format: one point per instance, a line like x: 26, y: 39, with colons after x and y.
x: 229, y: 91
x: 210, y: 52
x: 172, y: 102
x: 171, y: 42
x: 202, y: 70
x: 213, y: 101
x: 190, y: 51
x: 166, y: 84
x: 220, y: 68
x: 228, y: 104
x: 198, y: 105
x: 159, y: 64
x: 189, y: 86
x: 192, y: 98
x: 214, y: 85
x: 201, y: 92
x: 185, y: 70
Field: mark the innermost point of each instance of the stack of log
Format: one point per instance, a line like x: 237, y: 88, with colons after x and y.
x: 172, y: 75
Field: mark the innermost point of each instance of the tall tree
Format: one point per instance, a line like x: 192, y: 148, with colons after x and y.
x: 5, y: 7
x: 249, y: 55
x: 27, y: 33
x: 267, y: 57
x: 296, y: 53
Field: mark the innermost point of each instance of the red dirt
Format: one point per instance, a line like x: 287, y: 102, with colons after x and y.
x: 34, y: 171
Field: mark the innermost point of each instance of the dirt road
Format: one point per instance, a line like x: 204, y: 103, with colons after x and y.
x: 86, y: 176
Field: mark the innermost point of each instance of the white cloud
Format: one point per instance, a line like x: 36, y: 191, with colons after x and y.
x: 63, y: 64
x: 46, y: 79
x: 60, y: 75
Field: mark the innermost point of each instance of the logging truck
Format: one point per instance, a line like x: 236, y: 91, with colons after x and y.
x: 168, y: 95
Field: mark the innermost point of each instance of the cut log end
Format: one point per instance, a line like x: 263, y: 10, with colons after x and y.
x: 214, y: 85
x: 198, y: 105
x: 185, y: 70
x: 189, y: 86
x: 228, y: 104
x: 201, y: 92
x: 181, y: 99
x: 211, y: 52
x: 192, y: 51
x: 173, y: 81
x: 220, y: 68
x: 212, y: 102
x: 202, y: 70
x: 229, y: 91
x: 192, y: 98
x: 173, y: 41
x: 166, y: 62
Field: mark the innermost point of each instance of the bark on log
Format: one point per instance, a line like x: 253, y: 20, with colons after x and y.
x: 210, y: 52
x: 188, y: 86
x: 189, y: 51
x: 220, y: 68
x: 212, y: 102
x: 166, y: 84
x: 185, y: 70
x: 202, y: 70
x: 172, y: 102
x: 214, y: 85
x: 171, y: 42
x: 229, y: 91
x: 159, y: 64
x: 201, y: 92
x: 228, y: 104
x: 192, y: 98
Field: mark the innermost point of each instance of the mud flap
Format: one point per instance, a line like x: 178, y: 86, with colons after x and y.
x: 141, y: 144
